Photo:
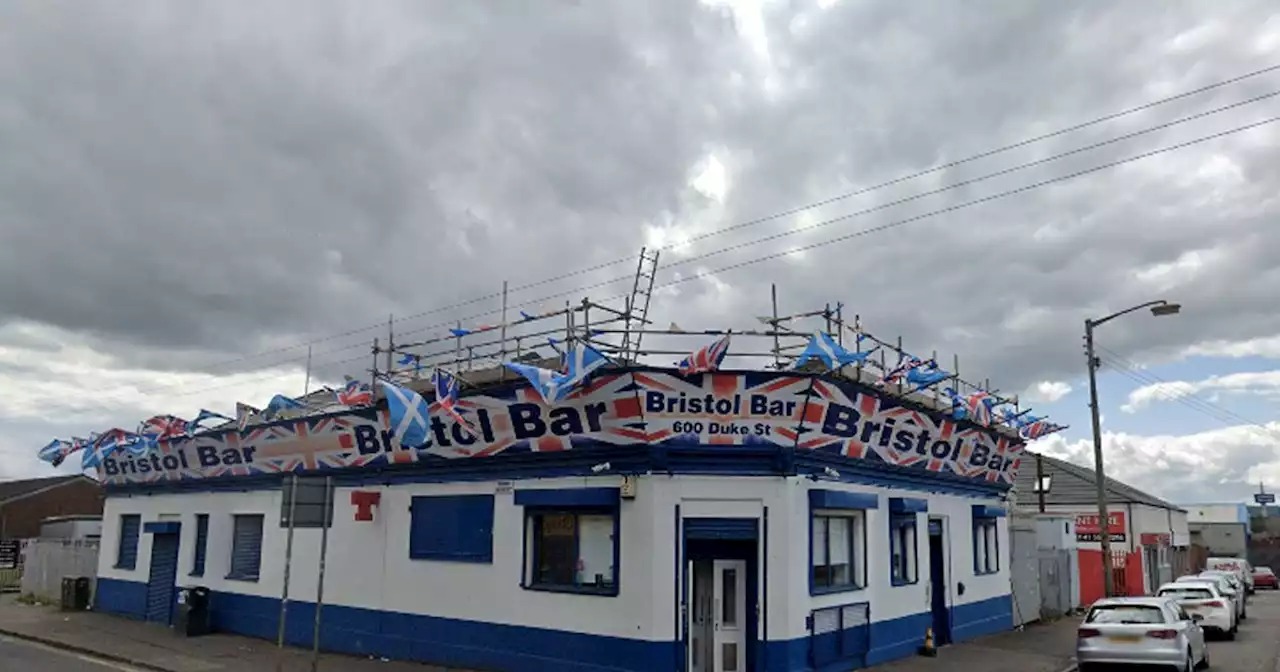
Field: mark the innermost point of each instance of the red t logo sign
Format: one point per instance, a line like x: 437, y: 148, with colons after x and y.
x: 364, y: 503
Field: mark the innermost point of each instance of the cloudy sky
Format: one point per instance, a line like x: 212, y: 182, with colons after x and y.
x: 192, y: 192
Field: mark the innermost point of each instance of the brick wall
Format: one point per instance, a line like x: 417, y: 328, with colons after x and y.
x: 20, y: 518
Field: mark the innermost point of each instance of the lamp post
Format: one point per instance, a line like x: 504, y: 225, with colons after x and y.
x: 1158, y: 309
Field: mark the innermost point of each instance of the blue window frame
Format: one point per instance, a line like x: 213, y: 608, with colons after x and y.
x: 127, y: 553
x: 904, y: 562
x: 838, y: 540
x: 986, y: 543
x: 202, y: 544
x: 246, y: 547
x: 457, y: 528
x: 572, y: 540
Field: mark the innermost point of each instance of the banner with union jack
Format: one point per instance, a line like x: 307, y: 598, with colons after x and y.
x: 614, y: 407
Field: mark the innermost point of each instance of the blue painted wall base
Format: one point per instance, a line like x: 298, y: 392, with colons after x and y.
x: 459, y: 643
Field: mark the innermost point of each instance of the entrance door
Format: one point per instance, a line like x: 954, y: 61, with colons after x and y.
x: 699, y: 601
x: 938, y: 584
x: 164, y: 575
x: 729, y: 622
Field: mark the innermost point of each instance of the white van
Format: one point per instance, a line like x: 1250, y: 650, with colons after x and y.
x: 1239, y: 566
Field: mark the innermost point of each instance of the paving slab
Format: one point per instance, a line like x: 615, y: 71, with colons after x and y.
x: 1039, y: 647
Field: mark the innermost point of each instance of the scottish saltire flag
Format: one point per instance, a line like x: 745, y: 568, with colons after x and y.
x: 109, y: 442
x: 959, y: 410
x: 1039, y: 428
x: 243, y: 413
x: 707, y: 358
x: 447, y: 399
x: 824, y: 348
x: 279, y: 404
x: 355, y: 393
x: 55, y: 451
x: 409, y: 415
x: 579, y: 362
x: 898, y: 373
x: 925, y: 375
x: 205, y: 414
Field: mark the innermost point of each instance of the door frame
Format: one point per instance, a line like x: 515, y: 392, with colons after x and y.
x: 948, y: 574
x: 724, y: 538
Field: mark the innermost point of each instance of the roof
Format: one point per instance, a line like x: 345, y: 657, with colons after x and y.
x: 17, y: 489
x: 1074, y: 484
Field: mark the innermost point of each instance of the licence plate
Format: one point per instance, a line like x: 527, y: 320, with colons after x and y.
x: 1124, y: 638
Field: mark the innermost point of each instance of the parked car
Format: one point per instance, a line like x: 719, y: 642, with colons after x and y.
x: 1239, y: 566
x: 1140, y: 631
x: 1263, y: 577
x: 1204, y: 599
x: 1242, y: 595
x: 1224, y: 587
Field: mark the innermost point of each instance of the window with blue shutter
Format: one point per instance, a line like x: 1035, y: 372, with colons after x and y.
x: 457, y: 528
x: 246, y: 547
x: 202, y: 542
x: 127, y: 554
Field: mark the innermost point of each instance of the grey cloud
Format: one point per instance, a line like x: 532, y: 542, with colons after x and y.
x: 191, y: 183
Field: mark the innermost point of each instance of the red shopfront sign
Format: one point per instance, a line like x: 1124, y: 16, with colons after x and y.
x: 1155, y: 539
x: 1088, y: 529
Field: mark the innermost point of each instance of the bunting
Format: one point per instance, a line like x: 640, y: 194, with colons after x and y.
x: 355, y: 393
x: 55, y: 451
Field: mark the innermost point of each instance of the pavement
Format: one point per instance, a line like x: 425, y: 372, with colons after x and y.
x: 43, y: 638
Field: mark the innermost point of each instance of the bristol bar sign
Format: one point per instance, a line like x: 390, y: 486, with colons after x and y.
x: 1088, y: 529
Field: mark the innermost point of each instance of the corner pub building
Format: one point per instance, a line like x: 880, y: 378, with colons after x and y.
x: 715, y: 522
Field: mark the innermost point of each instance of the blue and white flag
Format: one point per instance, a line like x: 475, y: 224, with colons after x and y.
x: 109, y: 442
x: 280, y: 403
x: 925, y: 375
x: 579, y: 362
x: 55, y: 451
x: 409, y: 413
x: 205, y: 414
x: 825, y: 349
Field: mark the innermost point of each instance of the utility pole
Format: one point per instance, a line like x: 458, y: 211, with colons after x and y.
x: 1099, y: 475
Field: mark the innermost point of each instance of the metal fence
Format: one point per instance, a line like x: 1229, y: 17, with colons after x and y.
x: 840, y: 634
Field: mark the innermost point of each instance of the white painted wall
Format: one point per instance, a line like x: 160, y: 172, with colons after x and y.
x: 369, y: 565
x: 1214, y: 513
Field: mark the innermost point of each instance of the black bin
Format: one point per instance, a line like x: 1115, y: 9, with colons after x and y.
x: 193, y: 612
x: 75, y: 593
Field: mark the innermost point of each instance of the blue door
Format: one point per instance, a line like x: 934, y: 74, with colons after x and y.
x: 164, y: 575
x: 938, y: 585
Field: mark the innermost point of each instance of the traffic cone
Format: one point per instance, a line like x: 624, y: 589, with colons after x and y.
x: 928, y: 649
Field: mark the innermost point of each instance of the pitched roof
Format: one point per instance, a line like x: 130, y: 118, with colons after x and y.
x: 15, y: 489
x: 1074, y: 484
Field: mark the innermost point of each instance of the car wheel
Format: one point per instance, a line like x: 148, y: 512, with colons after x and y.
x: 1230, y: 635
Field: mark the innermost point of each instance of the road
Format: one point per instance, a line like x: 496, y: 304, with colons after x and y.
x: 21, y: 655
x: 1257, y: 646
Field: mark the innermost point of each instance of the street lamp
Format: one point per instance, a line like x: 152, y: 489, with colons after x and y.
x: 1158, y: 309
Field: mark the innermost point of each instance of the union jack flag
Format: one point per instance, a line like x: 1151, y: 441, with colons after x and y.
x: 706, y: 358
x: 446, y: 400
x: 355, y: 393
x: 978, y: 406
x: 899, y: 372
x: 1039, y: 428
x: 163, y: 427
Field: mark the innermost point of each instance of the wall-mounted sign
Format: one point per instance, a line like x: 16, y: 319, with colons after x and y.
x: 1155, y: 539
x: 1265, y: 498
x: 804, y: 412
x: 1088, y: 529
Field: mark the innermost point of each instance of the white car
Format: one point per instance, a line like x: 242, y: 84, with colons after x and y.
x: 1202, y: 598
x: 1140, y: 631
x: 1241, y: 595
x: 1224, y: 587
x: 1238, y: 566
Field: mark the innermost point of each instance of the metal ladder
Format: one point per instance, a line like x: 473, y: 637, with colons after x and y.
x: 641, y: 294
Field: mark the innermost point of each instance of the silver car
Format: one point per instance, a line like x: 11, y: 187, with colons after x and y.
x: 1140, y: 631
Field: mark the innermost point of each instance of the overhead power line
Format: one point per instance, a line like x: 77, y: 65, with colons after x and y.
x: 768, y: 218
x: 856, y: 234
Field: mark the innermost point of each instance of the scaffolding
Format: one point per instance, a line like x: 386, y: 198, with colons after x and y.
x: 625, y: 334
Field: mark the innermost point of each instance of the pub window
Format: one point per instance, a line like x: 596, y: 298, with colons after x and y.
x: 572, y: 550
x: 839, y: 553
x: 986, y: 546
x: 902, y: 549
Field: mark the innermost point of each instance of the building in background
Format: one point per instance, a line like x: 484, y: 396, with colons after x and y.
x: 1145, y: 528
x: 1223, y: 529
x: 25, y: 504
x: 72, y: 528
